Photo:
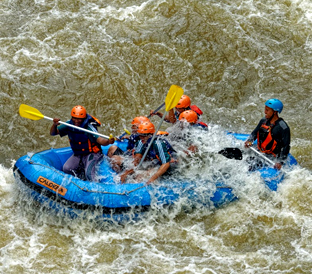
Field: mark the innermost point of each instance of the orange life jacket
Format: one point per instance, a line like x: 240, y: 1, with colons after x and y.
x: 267, y: 144
x: 196, y: 109
x: 202, y: 124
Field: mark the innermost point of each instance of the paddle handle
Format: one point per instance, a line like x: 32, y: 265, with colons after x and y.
x: 79, y: 128
x: 262, y: 155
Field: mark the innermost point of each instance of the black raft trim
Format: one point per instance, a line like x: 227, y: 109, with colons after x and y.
x: 74, y: 205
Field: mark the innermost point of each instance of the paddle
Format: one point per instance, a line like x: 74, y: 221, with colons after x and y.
x: 262, y: 155
x: 34, y: 114
x: 174, y: 94
x: 232, y: 153
x: 236, y: 153
x: 122, y: 135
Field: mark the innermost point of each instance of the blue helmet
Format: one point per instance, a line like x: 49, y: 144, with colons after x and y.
x: 274, y: 104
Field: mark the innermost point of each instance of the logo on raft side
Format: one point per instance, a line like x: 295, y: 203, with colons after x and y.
x: 51, y: 185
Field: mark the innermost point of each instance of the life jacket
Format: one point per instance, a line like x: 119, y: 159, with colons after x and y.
x: 196, y: 109
x: 193, y: 107
x: 168, y: 145
x: 164, y: 133
x: 96, y: 123
x: 265, y: 141
x: 151, y: 155
x: 201, y: 125
x: 79, y: 141
x: 133, y: 139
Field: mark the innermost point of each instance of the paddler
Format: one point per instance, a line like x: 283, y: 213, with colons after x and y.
x: 86, y: 147
x: 183, y: 134
x: 183, y: 105
x: 116, y: 154
x: 272, y: 133
x: 158, y: 155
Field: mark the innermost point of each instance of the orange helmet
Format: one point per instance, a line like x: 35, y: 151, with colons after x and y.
x: 139, y: 120
x: 184, y: 102
x: 189, y: 116
x: 79, y: 112
x: 146, y: 128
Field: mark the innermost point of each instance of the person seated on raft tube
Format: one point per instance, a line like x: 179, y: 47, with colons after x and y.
x: 87, y: 151
x: 183, y: 104
x: 158, y: 151
x: 272, y: 133
x: 188, y: 119
x: 116, y: 154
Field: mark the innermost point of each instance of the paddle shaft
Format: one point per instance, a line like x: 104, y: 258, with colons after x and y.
x: 151, y: 142
x: 262, y: 155
x: 79, y: 128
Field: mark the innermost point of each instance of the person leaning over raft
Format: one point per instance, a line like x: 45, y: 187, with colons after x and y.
x: 183, y: 105
x: 116, y: 155
x: 272, y: 133
x: 86, y: 146
x: 158, y: 151
x: 188, y: 120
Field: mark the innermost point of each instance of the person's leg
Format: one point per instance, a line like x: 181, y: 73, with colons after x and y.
x: 254, y: 163
x: 71, y: 164
x: 111, y: 151
x: 90, y: 161
x: 117, y: 163
x: 114, y: 150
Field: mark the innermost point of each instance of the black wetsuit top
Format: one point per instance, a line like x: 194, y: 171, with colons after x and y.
x: 280, y: 133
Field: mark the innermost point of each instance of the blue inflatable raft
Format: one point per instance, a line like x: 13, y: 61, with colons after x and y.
x: 41, y: 175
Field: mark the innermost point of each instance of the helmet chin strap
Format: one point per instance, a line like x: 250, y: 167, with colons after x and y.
x: 275, y: 112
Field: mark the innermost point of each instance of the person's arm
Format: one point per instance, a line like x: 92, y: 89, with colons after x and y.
x: 285, y: 145
x: 125, y: 137
x: 170, y: 117
x: 165, y: 158
x: 125, y: 174
x: 193, y: 148
x: 105, y: 142
x: 162, y: 169
x: 54, y: 131
x: 253, y: 136
x: 159, y: 114
x: 136, y: 161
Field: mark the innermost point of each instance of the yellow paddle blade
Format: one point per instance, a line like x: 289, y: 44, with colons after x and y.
x: 30, y: 112
x: 127, y: 131
x: 174, y: 94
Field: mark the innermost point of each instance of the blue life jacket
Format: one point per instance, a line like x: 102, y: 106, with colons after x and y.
x: 152, y: 154
x: 133, y: 139
x: 80, y: 141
